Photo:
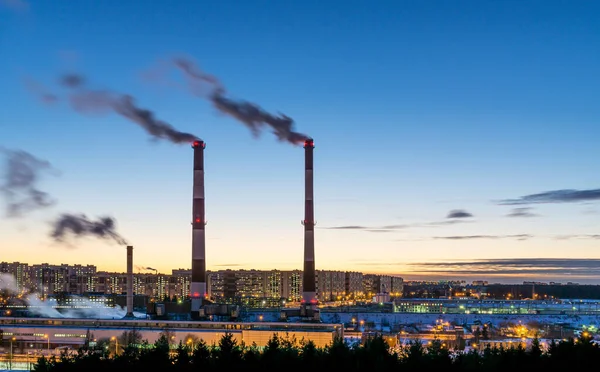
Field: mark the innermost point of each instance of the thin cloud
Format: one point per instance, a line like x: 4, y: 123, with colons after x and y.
x: 351, y: 227
x: 441, y: 223
x: 395, y: 227
x: 523, y: 267
x: 522, y: 212
x: 470, y: 237
x: 555, y: 196
x: 459, y: 213
x: 390, y: 228
x: 590, y: 211
x: 574, y: 236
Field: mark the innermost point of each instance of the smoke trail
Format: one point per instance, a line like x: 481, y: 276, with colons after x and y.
x: 21, y: 176
x: 84, y: 100
x: 250, y: 114
x: 40, y: 91
x: 197, y: 78
x: 80, y: 225
x: 142, y: 268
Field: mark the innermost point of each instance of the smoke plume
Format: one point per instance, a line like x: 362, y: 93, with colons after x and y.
x: 249, y: 114
x: 8, y: 283
x: 19, y: 186
x: 85, y: 309
x: 80, y: 226
x: 85, y: 101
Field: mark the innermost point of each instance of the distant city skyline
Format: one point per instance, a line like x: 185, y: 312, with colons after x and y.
x: 502, y: 271
x: 451, y: 140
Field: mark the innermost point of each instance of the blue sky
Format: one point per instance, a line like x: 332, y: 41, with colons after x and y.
x: 417, y: 109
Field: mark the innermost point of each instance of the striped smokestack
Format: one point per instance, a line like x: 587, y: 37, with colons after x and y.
x: 308, y: 278
x: 129, y: 313
x: 198, y: 284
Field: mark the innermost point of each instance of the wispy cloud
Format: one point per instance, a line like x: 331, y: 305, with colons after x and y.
x: 469, y: 237
x: 555, y: 196
x: 509, y: 270
x: 441, y: 223
x: 390, y: 228
x: 522, y: 212
x: 350, y: 227
x: 373, y: 229
x: 590, y: 211
x: 581, y: 236
x: 525, y: 267
x: 395, y: 227
x: 459, y: 213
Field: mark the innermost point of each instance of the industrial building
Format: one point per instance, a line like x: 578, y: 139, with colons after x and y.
x: 51, y: 333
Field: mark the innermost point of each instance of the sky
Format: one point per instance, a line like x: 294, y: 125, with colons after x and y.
x: 444, y: 132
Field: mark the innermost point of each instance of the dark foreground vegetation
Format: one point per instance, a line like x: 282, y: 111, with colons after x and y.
x: 282, y: 354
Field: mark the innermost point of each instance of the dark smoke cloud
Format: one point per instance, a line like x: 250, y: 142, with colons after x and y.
x: 85, y: 101
x: 72, y: 80
x: 20, y: 185
x: 555, y: 196
x: 458, y: 213
x: 196, y: 78
x: 81, y: 226
x: 521, y: 212
x: 249, y: 114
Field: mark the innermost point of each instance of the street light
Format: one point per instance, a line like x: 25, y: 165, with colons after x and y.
x: 191, y: 341
x: 47, y: 337
x: 116, y: 344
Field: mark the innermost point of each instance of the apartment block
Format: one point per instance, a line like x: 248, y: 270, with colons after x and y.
x: 248, y: 286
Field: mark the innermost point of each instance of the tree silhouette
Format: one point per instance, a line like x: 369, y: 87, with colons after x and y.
x: 285, y: 353
x: 485, y: 332
x: 132, y: 337
x: 201, y: 356
x: 182, y: 359
x: 228, y: 354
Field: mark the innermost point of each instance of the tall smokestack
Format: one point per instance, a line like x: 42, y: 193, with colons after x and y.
x: 198, y: 285
x: 129, y: 313
x: 308, y: 278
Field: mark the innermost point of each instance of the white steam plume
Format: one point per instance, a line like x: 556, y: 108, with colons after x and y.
x: 8, y: 283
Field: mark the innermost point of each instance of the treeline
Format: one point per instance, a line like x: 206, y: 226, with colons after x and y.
x: 283, y: 354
